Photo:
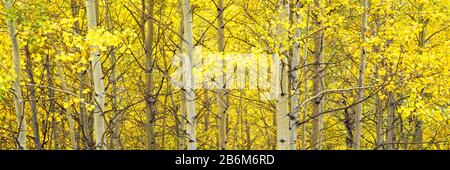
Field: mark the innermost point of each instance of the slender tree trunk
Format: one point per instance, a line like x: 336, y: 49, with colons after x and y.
x: 241, y: 112
x: 113, y: 81
x: 188, y: 79
x: 33, y: 100
x: 68, y: 109
x: 379, y: 120
x: 418, y: 123
x: 318, y: 80
x: 207, y: 104
x: 149, y: 85
x: 248, y: 139
x: 418, y: 133
x: 21, y: 139
x: 362, y: 69
x: 51, y: 107
x: 181, y: 132
x: 97, y: 74
x: 390, y: 134
x: 222, y: 93
x: 84, y: 128
x: 66, y: 99
x: 379, y: 116
x: 293, y: 77
x: 305, y: 80
x: 182, y: 125
x: 282, y: 115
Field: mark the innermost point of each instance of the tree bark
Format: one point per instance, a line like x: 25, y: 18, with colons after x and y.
x: 51, y: 106
x: 68, y: 109
x: 149, y: 85
x: 379, y: 116
x: 181, y: 132
x: 305, y: 80
x: 318, y: 80
x: 379, y: 120
x: 66, y: 99
x: 21, y: 122
x: 114, y: 122
x: 362, y: 69
x: 390, y: 134
x: 188, y: 80
x: 222, y: 92
x: 293, y: 77
x: 33, y: 100
x: 282, y: 106
x: 418, y: 123
x: 97, y: 74
x: 84, y: 128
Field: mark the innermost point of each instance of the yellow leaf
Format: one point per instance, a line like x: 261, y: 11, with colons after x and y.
x: 90, y: 107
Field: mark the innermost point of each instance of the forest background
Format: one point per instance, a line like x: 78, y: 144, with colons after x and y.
x: 344, y: 74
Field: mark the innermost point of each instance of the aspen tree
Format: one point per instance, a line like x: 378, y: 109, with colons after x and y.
x: 418, y: 122
x: 391, y: 104
x: 305, y: 80
x: 21, y: 122
x: 241, y: 112
x: 113, y: 81
x: 188, y: 79
x: 51, y: 106
x: 293, y: 75
x: 33, y: 99
x: 222, y: 93
x: 318, y: 78
x: 379, y: 117
x: 181, y: 132
x: 99, y: 90
x: 390, y: 134
x: 362, y: 68
x: 207, y: 104
x: 66, y: 99
x: 149, y: 98
x: 379, y: 121
x: 281, y: 66
x: 84, y: 125
x: 68, y: 109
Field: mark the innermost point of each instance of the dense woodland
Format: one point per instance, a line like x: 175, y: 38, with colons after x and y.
x: 348, y: 74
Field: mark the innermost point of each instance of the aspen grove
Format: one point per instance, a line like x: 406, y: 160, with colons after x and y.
x: 225, y: 74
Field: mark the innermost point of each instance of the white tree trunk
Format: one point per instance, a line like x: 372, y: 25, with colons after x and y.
x: 188, y: 76
x: 68, y: 109
x: 149, y: 98
x: 294, y: 81
x: 21, y: 139
x: 282, y: 115
x: 362, y: 68
x: 305, y: 80
x: 318, y: 80
x: 222, y: 98
x: 67, y: 98
x: 97, y: 74
x: 181, y: 132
